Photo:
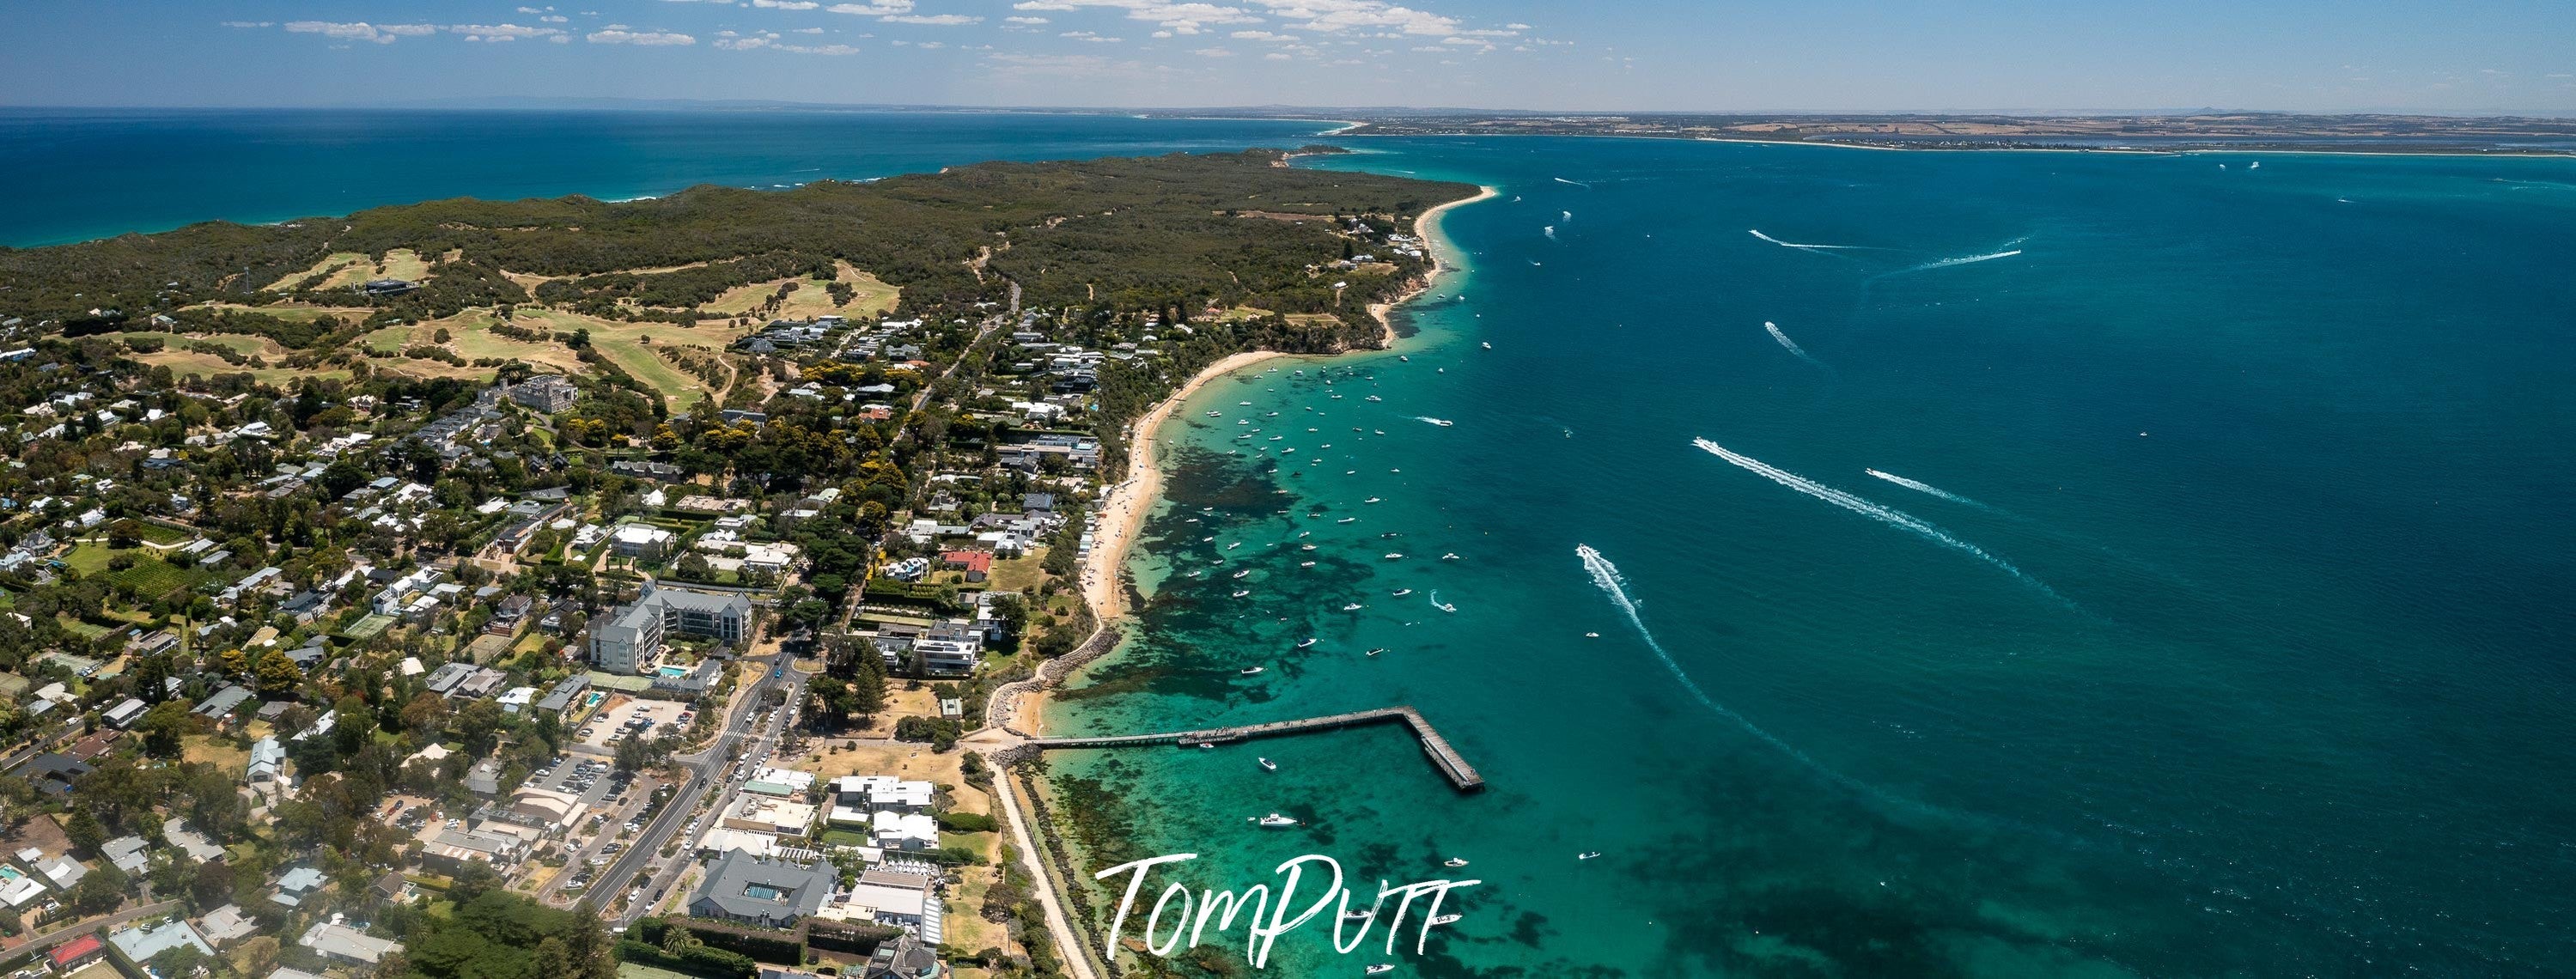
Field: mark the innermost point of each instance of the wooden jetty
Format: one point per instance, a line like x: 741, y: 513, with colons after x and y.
x: 1451, y: 765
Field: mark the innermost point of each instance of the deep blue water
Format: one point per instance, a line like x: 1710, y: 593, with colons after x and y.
x: 2240, y: 645
x: 73, y: 175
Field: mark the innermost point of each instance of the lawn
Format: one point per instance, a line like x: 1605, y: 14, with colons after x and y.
x: 151, y: 577
x: 811, y: 298
x: 1016, y: 573
x: 183, y: 363
x: 329, y: 265
x: 296, y: 312
x: 88, y: 557
x: 370, y: 627
x: 200, y: 748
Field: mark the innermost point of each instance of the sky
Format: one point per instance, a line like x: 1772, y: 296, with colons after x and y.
x: 2472, y: 56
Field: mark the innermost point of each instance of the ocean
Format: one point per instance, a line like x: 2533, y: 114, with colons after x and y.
x: 2003, y: 564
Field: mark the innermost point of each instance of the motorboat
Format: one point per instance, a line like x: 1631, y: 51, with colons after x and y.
x: 1451, y: 556
x: 1234, y: 545
x: 1268, y: 766
x: 1275, y: 820
x: 1442, y: 422
x: 1216, y: 414
x: 1307, y: 547
x: 1454, y: 862
x: 1243, y: 572
x: 1305, y: 564
x: 1587, y: 855
x: 1404, y: 358
x: 1380, y: 969
x: 1240, y: 592
x: 1251, y: 671
x: 1347, y: 520
x: 1352, y: 607
x: 1445, y: 919
x: 1372, y: 499
x: 1373, y: 398
x: 1310, y: 640
x: 1592, y: 635
x: 1401, y: 592
x: 1392, y: 555
x: 1376, y: 651
x: 1489, y: 346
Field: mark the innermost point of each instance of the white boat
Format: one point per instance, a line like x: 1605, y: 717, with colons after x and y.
x: 1307, y: 547
x: 1243, y: 404
x: 1489, y: 346
x: 1454, y: 862
x: 1391, y: 555
x: 1376, y: 651
x: 1592, y: 635
x: 1587, y: 855
x: 1375, y: 398
x: 1442, y: 422
x: 1445, y: 919
x: 1206, y: 539
x: 1309, y: 642
x: 1251, y: 670
x: 1216, y: 414
x: 1268, y: 765
x: 1370, y: 500
x: 1452, y: 556
x: 1275, y: 820
x: 1234, y: 545
x: 1381, y: 968
x: 1243, y: 572
x: 1401, y: 592
x: 1305, y: 564
x: 1347, y: 520
x: 1404, y: 358
x: 1358, y: 915
x: 1352, y: 607
x: 1443, y: 606
x: 1240, y: 592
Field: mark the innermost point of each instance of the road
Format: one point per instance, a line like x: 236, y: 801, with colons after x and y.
x: 79, y: 928
x: 703, y: 768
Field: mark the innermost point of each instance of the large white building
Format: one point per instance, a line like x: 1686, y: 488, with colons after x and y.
x: 630, y: 639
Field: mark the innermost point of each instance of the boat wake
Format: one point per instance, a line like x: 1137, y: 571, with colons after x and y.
x: 1577, y: 183
x: 1549, y: 231
x: 1929, y: 490
x: 1965, y: 260
x: 1789, y: 343
x: 1886, y: 515
x: 1756, y: 232
x: 1442, y: 422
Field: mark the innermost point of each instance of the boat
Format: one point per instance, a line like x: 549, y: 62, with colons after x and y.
x: 1207, y: 745
x: 1381, y: 968
x: 1352, y: 607
x: 1347, y: 520
x: 1268, y: 765
x: 1307, y: 547
x: 1379, y: 431
x: 1454, y: 862
x: 1243, y: 572
x: 1206, y: 539
x: 1370, y: 500
x: 1592, y: 635
x: 1392, y: 555
x: 1276, y: 820
x: 1310, y: 640
x: 1243, y: 404
x: 1375, y: 398
x: 1251, y: 671
x: 1240, y: 592
x: 1358, y: 915
x: 1216, y: 414
x: 1451, y: 556
x: 1587, y: 855
x: 1401, y: 592
x: 1442, y: 422
x: 1376, y: 651
x: 1445, y: 919
x: 1443, y: 606
x: 1488, y: 346
x: 1305, y: 564
x: 1404, y: 358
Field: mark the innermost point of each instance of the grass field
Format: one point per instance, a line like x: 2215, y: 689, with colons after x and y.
x: 1016, y: 573
x: 400, y: 263
x: 183, y: 363
x: 151, y: 577
x: 329, y: 265
x: 810, y: 299
x: 628, y: 346
x: 88, y: 557
x: 221, y: 754
x: 296, y: 312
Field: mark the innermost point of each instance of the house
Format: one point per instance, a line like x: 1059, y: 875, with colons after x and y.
x: 567, y: 692
x: 296, y: 884
x: 127, y: 853
x: 222, y: 703
x: 141, y: 943
x: 225, y: 924
x: 768, y: 814
x: 125, y: 713
x: 641, y: 540
x: 762, y: 892
x: 485, y: 778
x: 452, y: 850
x: 903, y: 957
x: 888, y: 898
x: 78, y: 952
x: 905, y: 831
x: 62, y: 871
x: 189, y: 841
x: 52, y: 772
x: 267, y: 760
x: 977, y: 564
x: 387, y: 287
x: 341, y: 943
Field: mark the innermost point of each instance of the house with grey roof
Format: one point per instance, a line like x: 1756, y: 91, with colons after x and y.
x: 141, y: 942
x: 341, y: 943
x: 295, y: 885
x: 761, y: 891
x: 225, y: 924
x: 127, y: 853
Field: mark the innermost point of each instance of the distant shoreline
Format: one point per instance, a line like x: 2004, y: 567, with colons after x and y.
x: 2194, y: 149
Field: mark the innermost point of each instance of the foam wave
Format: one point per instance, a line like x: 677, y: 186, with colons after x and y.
x: 1926, y: 489
x: 1549, y: 231
x: 1757, y: 232
x: 1565, y: 217
x: 1789, y: 343
x: 1886, y: 515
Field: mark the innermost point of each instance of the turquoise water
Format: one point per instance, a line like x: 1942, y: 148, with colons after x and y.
x: 79, y: 174
x: 2245, y: 653
x: 2237, y: 646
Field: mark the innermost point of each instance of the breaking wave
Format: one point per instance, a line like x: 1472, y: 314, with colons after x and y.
x: 1789, y: 343
x: 1886, y: 515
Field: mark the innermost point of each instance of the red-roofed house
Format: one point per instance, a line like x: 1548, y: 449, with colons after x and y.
x: 976, y: 564
x: 77, y: 952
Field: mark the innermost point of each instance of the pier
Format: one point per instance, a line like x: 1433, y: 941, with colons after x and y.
x: 1452, y: 766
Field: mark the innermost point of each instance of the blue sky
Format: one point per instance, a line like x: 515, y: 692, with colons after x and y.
x: 1955, y: 55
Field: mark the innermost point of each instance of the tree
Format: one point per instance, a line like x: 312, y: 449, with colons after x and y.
x: 163, y: 728
x: 255, y: 956
x: 868, y: 685
x: 278, y: 672
x: 84, y: 831
x: 100, y: 892
x: 632, y: 755
x: 212, y: 887
x: 426, y: 714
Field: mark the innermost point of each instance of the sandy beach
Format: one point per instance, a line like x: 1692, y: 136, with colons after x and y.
x: 1122, y: 512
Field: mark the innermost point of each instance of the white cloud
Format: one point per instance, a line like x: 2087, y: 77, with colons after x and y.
x: 1024, y: 20
x: 935, y: 20
x: 1339, y: 16
x: 786, y: 4
x: 250, y: 23
x: 360, y: 30
x: 1091, y: 37
x: 1213, y: 53
x: 880, y: 8
x: 1276, y: 56
x: 807, y: 30
x: 500, y: 32
x: 641, y: 38
x: 555, y: 19
x: 560, y: 39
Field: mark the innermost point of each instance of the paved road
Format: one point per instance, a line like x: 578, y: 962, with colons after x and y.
x: 703, y: 768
